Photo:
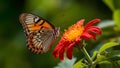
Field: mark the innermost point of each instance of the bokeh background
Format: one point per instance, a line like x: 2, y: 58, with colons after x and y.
x: 61, y: 13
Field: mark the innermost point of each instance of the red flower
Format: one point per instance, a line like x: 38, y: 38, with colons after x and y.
x: 73, y: 35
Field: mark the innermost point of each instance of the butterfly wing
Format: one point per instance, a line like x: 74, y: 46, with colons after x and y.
x: 31, y: 23
x: 40, y: 41
x: 40, y: 33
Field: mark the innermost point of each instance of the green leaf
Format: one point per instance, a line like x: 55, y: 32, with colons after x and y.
x: 94, y: 55
x: 108, y: 64
x: 100, y: 58
x: 114, y: 55
x: 116, y: 17
x: 117, y: 4
x: 110, y: 4
x: 105, y: 64
x: 79, y: 64
x: 118, y: 62
x: 106, y: 46
x: 111, y: 57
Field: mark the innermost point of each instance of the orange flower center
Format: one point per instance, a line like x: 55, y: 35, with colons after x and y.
x: 73, y: 32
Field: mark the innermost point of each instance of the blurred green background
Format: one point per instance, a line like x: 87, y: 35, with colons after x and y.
x: 61, y: 13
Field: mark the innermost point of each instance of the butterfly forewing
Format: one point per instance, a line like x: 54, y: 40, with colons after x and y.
x: 27, y: 21
x: 31, y: 22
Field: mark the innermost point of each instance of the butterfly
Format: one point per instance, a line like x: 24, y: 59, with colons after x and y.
x: 40, y: 33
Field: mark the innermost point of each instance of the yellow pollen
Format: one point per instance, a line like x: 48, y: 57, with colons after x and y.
x: 73, y: 32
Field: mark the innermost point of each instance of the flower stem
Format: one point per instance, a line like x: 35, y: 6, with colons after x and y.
x: 87, y: 55
x: 82, y: 48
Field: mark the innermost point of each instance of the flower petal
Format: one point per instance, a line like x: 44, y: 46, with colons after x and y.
x: 70, y: 50
x: 90, y: 23
x: 80, y: 22
x: 62, y: 50
x: 58, y: 47
x: 56, y: 51
x: 61, y: 53
x: 95, y: 29
x: 88, y: 35
x: 77, y: 39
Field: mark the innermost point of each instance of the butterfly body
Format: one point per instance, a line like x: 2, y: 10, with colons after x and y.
x: 39, y: 32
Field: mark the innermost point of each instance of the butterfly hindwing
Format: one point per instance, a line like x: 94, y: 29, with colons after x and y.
x: 40, y: 41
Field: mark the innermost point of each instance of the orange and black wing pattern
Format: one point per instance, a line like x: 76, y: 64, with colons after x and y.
x: 31, y: 23
x: 40, y: 33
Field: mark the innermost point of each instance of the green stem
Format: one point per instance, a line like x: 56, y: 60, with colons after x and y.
x: 82, y: 48
x: 87, y: 55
